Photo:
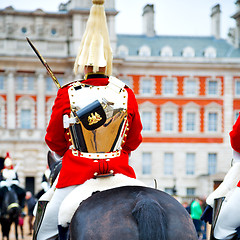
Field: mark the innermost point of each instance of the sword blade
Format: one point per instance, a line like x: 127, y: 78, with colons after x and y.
x: 44, y: 63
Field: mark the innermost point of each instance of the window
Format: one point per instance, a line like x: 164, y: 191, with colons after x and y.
x: 190, y: 121
x: 146, y: 163
x: 210, y: 52
x: 212, y: 122
x: 168, y: 121
x: 188, y: 52
x: 147, y: 121
x: 236, y: 115
x: 166, y: 52
x: 1, y: 82
x: 23, y: 29
x: 190, y: 163
x: 128, y: 82
x: 123, y: 51
x: 49, y: 84
x: 237, y: 88
x: 20, y: 83
x: 25, y: 120
x: 168, y: 190
x: 212, y: 87
x: 146, y: 86
x: 30, y: 83
x: 191, y: 191
x: 168, y: 87
x: 60, y: 80
x: 53, y: 31
x: 145, y: 51
x: 168, y: 163
x: 212, y: 163
x: 190, y: 87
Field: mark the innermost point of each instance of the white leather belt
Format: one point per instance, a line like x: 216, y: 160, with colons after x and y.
x: 96, y: 155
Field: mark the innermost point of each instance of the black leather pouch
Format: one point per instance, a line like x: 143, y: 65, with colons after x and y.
x: 92, y: 116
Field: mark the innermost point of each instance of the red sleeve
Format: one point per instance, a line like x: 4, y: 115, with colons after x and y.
x: 235, y: 136
x: 56, y: 136
x: 134, y: 137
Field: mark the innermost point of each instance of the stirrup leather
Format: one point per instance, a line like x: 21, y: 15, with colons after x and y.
x: 216, y: 210
x: 41, y: 208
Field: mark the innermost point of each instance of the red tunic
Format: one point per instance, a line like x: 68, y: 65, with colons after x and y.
x: 76, y: 170
x: 235, y: 138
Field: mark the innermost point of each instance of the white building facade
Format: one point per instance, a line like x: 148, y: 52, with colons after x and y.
x: 187, y: 88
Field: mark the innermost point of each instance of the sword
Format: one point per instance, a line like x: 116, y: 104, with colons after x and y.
x: 50, y: 72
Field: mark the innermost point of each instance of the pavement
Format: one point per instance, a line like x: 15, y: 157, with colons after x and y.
x: 26, y: 235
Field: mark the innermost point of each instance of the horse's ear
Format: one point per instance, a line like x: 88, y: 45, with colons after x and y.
x: 51, y: 159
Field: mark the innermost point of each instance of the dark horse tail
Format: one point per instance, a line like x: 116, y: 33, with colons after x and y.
x: 151, y: 220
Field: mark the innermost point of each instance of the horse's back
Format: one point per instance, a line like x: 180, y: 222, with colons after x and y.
x: 111, y: 214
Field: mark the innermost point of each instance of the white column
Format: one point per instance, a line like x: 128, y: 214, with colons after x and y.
x: 40, y: 100
x: 11, y: 101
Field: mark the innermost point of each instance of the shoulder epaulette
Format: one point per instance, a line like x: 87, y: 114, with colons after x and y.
x: 71, y: 83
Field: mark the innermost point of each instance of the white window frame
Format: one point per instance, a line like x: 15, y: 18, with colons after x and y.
x: 191, y: 108
x: 237, y: 80
x: 194, y: 122
x: 50, y: 83
x: 2, y: 115
x: 144, y: 51
x: 236, y: 115
x: 169, y: 107
x: 33, y: 81
x: 218, y: 90
x: 20, y: 88
x: 213, y: 108
x: 49, y: 106
x: 165, y: 164
x: 152, y: 89
x: 196, y: 93
x: 190, y: 168
x: 128, y: 79
x: 193, y: 190
x: 21, y: 122
x: 26, y: 103
x: 122, y: 51
x: 147, y: 163
x: 148, y: 107
x: 174, y: 86
x: 3, y: 82
x: 166, y: 51
x: 208, y: 163
x: 210, y: 52
x: 25, y: 84
x: 188, y: 52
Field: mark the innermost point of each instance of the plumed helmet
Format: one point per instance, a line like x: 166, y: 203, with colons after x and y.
x: 95, y: 49
x: 8, y: 160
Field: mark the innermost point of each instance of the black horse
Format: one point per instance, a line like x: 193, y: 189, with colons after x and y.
x: 130, y: 212
x: 10, y: 211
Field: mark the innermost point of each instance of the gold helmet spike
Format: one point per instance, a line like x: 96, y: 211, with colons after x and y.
x: 95, y: 49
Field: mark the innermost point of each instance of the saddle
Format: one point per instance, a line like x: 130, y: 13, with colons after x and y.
x: 79, y: 194
x: 216, y: 210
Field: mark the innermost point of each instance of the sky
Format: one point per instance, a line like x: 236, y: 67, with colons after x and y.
x: 172, y: 17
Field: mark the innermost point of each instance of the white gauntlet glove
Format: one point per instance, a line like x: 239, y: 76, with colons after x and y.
x: 230, y: 181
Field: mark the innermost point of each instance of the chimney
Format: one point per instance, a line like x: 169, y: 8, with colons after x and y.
x: 215, y: 17
x: 236, y: 16
x: 148, y: 20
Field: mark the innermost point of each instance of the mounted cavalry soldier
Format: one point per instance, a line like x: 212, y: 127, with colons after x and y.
x: 226, y: 224
x: 94, y: 126
x: 9, y: 179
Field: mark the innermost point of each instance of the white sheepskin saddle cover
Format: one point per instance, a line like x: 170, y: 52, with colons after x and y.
x: 84, y: 191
